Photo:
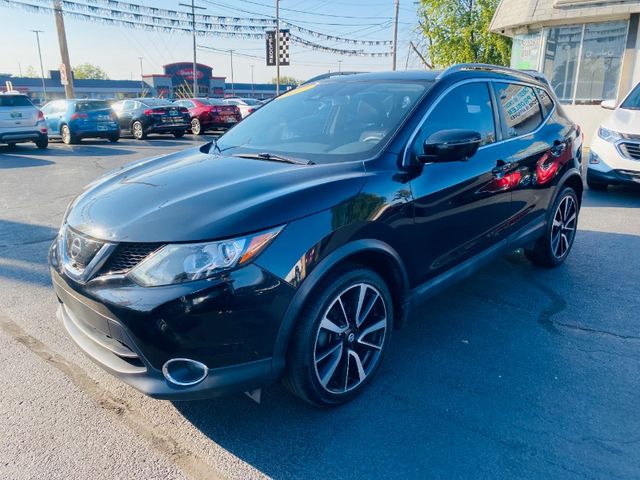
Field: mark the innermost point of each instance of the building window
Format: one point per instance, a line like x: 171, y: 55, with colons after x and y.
x: 561, y: 59
x: 601, y: 61
x: 582, y: 62
x: 525, y: 53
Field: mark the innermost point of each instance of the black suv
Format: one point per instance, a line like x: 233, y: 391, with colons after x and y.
x: 294, y: 245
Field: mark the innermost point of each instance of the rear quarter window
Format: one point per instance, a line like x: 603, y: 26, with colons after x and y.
x: 15, y: 101
x: 520, y: 108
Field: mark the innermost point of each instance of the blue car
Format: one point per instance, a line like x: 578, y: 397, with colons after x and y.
x: 75, y: 119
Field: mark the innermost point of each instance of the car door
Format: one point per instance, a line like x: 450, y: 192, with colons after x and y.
x: 460, y: 207
x: 54, y: 117
x: 539, y: 144
x: 126, y: 114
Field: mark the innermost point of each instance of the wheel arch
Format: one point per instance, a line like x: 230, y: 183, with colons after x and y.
x: 369, y: 253
x: 573, y: 179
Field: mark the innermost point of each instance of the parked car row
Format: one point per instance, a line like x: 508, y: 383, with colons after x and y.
x: 75, y: 119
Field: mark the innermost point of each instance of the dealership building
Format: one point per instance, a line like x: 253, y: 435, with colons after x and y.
x: 588, y: 49
x: 176, y: 80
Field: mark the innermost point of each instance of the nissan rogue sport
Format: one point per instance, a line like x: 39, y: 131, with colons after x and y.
x: 294, y: 245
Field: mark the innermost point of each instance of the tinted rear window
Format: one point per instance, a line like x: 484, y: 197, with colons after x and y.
x: 156, y: 102
x: 91, y: 105
x: 15, y: 101
x: 212, y: 101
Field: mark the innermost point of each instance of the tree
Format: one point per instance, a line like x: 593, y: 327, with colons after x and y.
x: 286, y: 80
x: 457, y: 31
x: 89, y: 71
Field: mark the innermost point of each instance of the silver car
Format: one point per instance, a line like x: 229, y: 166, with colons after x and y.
x: 21, y: 121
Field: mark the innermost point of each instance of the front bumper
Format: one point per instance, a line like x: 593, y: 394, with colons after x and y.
x: 611, y: 166
x: 230, y: 325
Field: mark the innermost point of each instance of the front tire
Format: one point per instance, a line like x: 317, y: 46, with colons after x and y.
x: 593, y: 185
x: 178, y: 133
x: 340, y: 338
x: 554, y: 246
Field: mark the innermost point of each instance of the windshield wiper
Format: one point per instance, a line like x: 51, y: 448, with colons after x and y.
x: 272, y: 157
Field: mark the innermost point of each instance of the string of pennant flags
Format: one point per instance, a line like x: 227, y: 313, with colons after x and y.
x: 174, y: 18
x: 142, y: 17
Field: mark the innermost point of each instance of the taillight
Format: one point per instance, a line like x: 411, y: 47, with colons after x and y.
x: 76, y: 116
x: 114, y: 117
x: 148, y: 112
x: 183, y: 109
x: 251, y: 110
x: 40, y: 116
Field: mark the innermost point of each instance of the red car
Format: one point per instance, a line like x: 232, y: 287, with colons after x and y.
x: 210, y: 114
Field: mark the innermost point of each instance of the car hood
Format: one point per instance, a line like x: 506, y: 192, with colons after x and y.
x: 624, y: 121
x: 193, y: 195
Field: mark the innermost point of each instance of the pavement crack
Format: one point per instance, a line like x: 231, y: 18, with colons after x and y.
x: 187, y: 460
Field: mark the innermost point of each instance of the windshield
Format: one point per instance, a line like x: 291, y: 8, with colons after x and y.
x: 250, y: 101
x: 632, y: 102
x: 15, y: 101
x: 328, y: 121
x: 91, y: 105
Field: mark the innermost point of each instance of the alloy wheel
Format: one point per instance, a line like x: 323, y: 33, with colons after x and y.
x: 563, y: 229
x: 137, y: 130
x: 350, y: 338
x: 66, y: 135
x: 195, y: 126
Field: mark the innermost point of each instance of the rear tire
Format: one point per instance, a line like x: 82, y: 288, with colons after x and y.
x: 178, y: 134
x: 334, y: 353
x: 42, y: 143
x: 137, y: 130
x: 196, y: 127
x: 554, y: 246
x: 67, y: 137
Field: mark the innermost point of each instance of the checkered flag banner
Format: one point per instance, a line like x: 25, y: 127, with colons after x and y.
x: 283, y: 47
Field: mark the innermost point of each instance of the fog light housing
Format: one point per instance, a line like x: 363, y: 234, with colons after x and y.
x: 593, y: 157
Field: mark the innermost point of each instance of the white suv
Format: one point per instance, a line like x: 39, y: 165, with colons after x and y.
x: 614, y: 157
x: 21, y: 121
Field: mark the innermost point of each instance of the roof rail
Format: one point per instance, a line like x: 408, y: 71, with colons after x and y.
x: 323, y: 76
x: 483, y: 66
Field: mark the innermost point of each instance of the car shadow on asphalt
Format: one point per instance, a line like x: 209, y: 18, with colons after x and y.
x: 517, y: 371
x: 23, y: 252
x: 623, y: 196
x: 78, y: 150
x: 21, y: 161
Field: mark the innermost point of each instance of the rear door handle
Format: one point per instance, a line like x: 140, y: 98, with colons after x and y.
x: 501, y: 168
x: 559, y: 149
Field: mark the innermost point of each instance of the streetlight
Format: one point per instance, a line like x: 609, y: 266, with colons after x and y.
x: 193, y: 31
x: 339, y: 66
x: 141, y: 78
x: 233, y: 90
x: 44, y: 89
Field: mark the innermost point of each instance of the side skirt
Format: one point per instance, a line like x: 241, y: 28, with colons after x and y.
x: 527, y: 235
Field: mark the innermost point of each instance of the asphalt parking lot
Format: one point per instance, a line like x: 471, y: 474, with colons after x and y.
x: 517, y: 372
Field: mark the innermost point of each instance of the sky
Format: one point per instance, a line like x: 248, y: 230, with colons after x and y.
x: 116, y: 49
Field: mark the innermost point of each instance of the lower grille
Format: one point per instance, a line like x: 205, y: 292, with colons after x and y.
x: 128, y: 255
x: 631, y: 150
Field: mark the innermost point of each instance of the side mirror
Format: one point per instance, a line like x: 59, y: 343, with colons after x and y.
x: 450, y: 146
x: 608, y: 104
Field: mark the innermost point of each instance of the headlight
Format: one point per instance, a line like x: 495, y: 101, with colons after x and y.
x: 608, y: 135
x: 178, y: 263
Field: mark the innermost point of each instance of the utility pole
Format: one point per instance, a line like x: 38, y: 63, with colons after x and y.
x: 277, y: 47
x: 395, y: 33
x: 193, y: 31
x: 64, y: 49
x: 233, y: 89
x: 141, y: 78
x: 339, y: 66
x: 252, y: 89
x: 44, y: 88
